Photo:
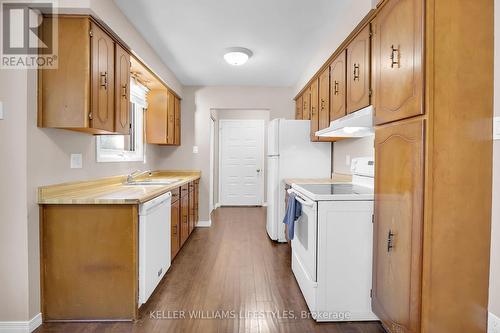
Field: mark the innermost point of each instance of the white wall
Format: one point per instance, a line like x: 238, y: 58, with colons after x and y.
x: 344, y: 25
x: 13, y: 212
x: 196, y: 105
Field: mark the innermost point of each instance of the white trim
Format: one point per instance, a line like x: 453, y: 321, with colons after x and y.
x: 493, y: 323
x: 217, y: 205
x: 212, y: 165
x: 496, y: 128
x: 21, y: 326
x: 264, y: 204
x: 204, y: 224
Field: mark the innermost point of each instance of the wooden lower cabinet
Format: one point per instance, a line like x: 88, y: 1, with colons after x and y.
x: 89, y: 260
x: 175, y: 234
x: 398, y: 224
x: 298, y: 108
x: 184, y: 219
x: 196, y: 201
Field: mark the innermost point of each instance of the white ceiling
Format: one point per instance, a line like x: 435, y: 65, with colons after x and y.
x: 191, y: 35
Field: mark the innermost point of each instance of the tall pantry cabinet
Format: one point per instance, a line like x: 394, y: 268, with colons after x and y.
x: 433, y: 164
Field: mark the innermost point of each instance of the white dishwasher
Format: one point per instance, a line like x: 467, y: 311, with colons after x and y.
x: 154, y: 244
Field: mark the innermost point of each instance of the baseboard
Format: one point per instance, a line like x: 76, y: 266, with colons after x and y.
x: 217, y: 205
x: 264, y: 204
x: 204, y: 224
x: 21, y: 326
x: 493, y: 323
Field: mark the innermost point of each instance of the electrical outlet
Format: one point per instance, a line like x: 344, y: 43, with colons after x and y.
x: 1, y: 110
x: 493, y: 323
x: 76, y: 161
x: 496, y: 128
x: 348, y: 160
x: 195, y: 149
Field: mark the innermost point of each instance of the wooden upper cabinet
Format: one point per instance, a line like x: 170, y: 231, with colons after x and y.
x: 102, y: 80
x: 338, y: 87
x: 324, y: 99
x: 122, y: 90
x: 397, y: 61
x: 177, y: 118
x: 156, y: 116
x: 171, y: 119
x: 398, y: 225
x: 89, y: 90
x: 358, y: 71
x: 298, y: 108
x: 314, y: 95
x: 306, y: 104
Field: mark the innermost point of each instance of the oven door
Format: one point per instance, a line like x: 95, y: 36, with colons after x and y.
x: 304, y: 243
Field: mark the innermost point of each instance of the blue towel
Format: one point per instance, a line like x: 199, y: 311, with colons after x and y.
x: 293, y: 212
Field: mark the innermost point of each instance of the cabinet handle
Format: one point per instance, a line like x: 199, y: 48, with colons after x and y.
x: 175, y: 230
x: 104, y: 80
x: 395, y: 56
x: 124, y: 91
x: 336, y: 88
x: 390, y: 241
x: 322, y: 104
x: 356, y: 72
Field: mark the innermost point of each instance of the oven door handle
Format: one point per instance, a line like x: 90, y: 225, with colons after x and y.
x: 299, y: 198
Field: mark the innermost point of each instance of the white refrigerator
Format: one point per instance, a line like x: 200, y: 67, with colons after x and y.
x: 291, y: 154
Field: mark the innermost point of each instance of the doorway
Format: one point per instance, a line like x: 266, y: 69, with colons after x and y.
x: 241, y: 162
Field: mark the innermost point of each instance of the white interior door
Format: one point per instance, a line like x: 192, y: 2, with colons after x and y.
x: 241, y: 157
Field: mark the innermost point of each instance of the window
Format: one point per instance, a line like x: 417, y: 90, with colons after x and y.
x: 127, y: 148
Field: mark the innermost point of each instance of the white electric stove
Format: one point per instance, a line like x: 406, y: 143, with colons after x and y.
x: 332, y: 246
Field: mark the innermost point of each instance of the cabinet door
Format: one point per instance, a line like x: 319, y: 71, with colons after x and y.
x: 358, y: 71
x: 184, y: 219
x: 196, y: 201
x: 324, y: 99
x: 298, y: 108
x: 103, y: 56
x: 175, y: 228
x: 397, y: 61
x: 399, y: 167
x: 338, y: 87
x: 122, y: 91
x: 314, y: 109
x: 156, y: 117
x: 177, y: 127
x: 171, y: 119
x: 191, y: 208
x: 306, y: 104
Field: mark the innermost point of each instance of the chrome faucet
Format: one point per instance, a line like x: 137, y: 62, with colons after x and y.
x: 137, y: 173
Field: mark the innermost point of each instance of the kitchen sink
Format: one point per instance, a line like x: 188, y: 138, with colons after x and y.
x: 157, y: 181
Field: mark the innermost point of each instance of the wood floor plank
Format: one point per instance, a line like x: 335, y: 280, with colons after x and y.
x: 233, y: 269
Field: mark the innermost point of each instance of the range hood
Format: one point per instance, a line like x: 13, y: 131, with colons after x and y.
x: 355, y: 125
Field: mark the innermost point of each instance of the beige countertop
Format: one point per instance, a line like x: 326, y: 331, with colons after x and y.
x: 336, y: 178
x: 112, y: 190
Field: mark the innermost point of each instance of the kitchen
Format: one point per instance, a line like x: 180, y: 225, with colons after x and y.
x: 227, y: 261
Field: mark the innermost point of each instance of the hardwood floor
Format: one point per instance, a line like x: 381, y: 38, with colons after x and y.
x: 232, y: 266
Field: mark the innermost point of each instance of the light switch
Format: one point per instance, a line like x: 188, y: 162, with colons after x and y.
x: 195, y: 149
x: 1, y: 110
x: 496, y: 128
x: 76, y: 161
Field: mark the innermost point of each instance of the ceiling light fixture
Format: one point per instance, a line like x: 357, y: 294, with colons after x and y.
x: 237, y: 56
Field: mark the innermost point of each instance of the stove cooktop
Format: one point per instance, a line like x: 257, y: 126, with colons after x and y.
x: 347, y: 191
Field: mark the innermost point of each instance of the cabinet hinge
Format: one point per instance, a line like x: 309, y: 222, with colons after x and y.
x: 90, y: 115
x: 91, y: 33
x: 373, y: 218
x: 370, y: 93
x: 371, y: 293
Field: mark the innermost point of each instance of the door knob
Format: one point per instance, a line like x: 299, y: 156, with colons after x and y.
x: 258, y: 170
